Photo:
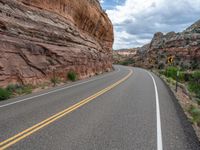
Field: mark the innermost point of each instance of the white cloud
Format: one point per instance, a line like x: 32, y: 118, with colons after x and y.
x: 138, y: 20
x: 101, y: 1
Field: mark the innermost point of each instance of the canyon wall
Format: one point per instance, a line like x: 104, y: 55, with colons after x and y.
x: 40, y: 38
x: 124, y: 56
x: 184, y: 47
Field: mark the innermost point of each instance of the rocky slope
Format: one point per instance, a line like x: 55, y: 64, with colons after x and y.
x: 40, y: 37
x: 123, y: 55
x: 184, y: 47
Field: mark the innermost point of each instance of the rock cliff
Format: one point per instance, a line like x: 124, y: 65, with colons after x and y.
x: 124, y: 56
x: 183, y: 46
x: 40, y: 38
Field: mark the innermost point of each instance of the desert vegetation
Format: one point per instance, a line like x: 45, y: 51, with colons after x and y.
x: 72, y: 76
x: 191, y: 80
x: 13, y: 90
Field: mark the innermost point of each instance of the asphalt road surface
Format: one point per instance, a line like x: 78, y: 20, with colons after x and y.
x: 127, y: 109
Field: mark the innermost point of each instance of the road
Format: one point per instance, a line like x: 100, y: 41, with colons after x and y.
x: 127, y: 109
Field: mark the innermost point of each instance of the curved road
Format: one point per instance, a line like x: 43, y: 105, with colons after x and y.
x: 128, y: 109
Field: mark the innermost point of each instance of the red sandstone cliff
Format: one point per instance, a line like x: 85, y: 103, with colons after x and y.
x: 39, y: 36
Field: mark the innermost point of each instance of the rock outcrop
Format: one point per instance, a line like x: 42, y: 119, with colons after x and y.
x: 123, y: 56
x: 183, y: 46
x: 40, y: 38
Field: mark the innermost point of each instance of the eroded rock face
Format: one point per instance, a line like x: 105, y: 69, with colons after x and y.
x: 124, y: 56
x: 184, y: 47
x: 39, y: 37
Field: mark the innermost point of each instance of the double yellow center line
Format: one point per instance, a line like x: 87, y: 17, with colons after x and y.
x: 18, y: 137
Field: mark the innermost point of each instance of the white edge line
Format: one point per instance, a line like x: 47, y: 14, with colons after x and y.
x: 159, y: 130
x: 26, y: 99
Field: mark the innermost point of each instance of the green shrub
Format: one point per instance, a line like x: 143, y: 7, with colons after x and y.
x: 13, y: 87
x: 19, y: 89
x: 181, y: 76
x: 72, y: 76
x: 26, y: 89
x: 194, y: 83
x: 171, y: 72
x: 4, y: 94
x: 195, y: 88
x: 187, y: 76
x: 195, y: 113
x: 162, y: 72
x: 55, y: 80
x: 127, y: 62
x: 196, y: 76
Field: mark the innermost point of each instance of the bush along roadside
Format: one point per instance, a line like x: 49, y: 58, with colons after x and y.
x: 4, y: 94
x: 191, y: 80
x: 55, y: 80
x: 72, y: 76
x: 188, y: 93
x: 127, y: 62
x: 194, y: 83
x: 195, y: 114
x: 14, y: 90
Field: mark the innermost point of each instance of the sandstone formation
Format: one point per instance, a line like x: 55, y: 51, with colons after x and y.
x: 124, y: 55
x: 184, y: 47
x: 41, y: 37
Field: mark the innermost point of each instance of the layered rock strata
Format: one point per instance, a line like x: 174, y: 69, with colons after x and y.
x: 43, y: 38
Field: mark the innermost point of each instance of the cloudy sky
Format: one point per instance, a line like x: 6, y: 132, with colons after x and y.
x: 135, y: 21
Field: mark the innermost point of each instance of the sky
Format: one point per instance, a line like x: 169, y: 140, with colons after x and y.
x: 136, y: 21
